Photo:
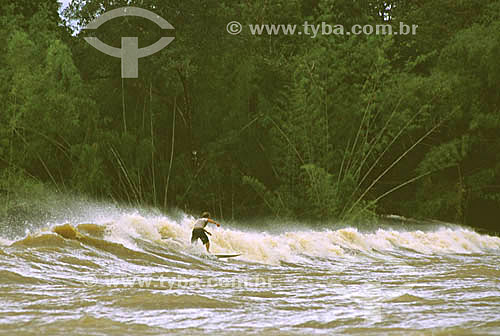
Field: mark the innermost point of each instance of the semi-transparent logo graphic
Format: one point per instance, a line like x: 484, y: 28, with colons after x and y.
x: 129, y: 51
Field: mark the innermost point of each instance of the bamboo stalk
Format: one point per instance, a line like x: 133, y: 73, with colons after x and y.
x: 125, y: 173
x: 355, y: 143
x: 41, y: 161
x: 392, y: 165
x: 165, y: 200
x: 311, y: 177
x: 377, y: 138
x: 123, y: 107
x: 379, y: 158
x: 152, y: 142
x: 342, y: 167
x: 399, y: 186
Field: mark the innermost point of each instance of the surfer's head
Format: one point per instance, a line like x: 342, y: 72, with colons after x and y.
x: 206, y: 214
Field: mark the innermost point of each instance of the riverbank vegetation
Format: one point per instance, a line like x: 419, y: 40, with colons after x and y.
x: 325, y: 128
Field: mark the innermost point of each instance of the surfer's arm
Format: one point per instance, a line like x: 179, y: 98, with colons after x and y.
x: 212, y: 221
x: 207, y: 232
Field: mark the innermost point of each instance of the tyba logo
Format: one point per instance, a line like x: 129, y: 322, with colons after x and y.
x: 129, y: 52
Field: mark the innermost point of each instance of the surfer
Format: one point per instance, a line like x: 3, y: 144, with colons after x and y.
x: 199, y: 231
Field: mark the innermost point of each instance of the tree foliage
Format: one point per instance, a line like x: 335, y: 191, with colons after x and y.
x: 335, y: 127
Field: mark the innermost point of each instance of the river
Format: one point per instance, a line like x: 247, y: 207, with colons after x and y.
x: 138, y: 274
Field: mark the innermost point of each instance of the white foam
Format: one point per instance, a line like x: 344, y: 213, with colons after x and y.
x: 5, y: 242
x: 332, y: 244
x: 295, y: 246
x: 127, y: 228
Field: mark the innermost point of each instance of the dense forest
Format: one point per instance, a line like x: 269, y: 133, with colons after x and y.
x: 319, y: 129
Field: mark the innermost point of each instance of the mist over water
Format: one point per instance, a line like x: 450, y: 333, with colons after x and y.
x: 98, y: 269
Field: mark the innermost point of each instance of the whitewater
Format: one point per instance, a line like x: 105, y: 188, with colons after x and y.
x: 131, y: 272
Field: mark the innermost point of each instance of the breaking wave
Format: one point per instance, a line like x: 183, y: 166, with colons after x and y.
x: 128, y: 233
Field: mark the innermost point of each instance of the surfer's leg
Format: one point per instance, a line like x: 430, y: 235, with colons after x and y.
x: 197, y: 234
x: 204, y: 240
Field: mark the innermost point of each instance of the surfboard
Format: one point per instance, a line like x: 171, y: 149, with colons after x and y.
x: 227, y: 255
